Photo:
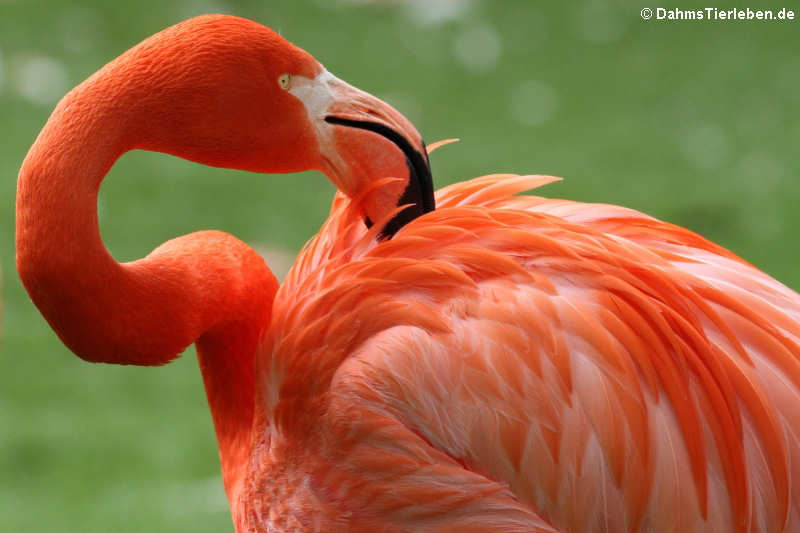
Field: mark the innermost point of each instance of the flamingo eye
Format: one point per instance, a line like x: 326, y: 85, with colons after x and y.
x: 284, y: 80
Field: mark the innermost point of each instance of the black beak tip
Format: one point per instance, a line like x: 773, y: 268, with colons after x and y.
x: 418, y: 194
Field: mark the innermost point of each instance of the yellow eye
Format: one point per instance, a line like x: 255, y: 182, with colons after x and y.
x: 284, y: 80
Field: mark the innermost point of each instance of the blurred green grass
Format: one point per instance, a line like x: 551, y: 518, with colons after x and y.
x: 695, y: 123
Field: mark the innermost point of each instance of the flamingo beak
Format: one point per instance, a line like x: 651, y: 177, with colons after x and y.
x: 363, y: 140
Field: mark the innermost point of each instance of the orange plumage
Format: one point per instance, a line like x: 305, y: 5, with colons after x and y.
x: 508, y: 363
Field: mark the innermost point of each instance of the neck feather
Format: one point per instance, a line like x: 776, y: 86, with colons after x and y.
x: 206, y: 287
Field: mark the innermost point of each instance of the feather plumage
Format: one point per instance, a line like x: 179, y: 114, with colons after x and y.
x: 513, y: 362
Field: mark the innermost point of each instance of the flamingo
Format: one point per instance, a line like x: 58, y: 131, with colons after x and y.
x: 500, y: 363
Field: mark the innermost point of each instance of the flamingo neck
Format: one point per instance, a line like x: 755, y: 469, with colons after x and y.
x: 206, y: 287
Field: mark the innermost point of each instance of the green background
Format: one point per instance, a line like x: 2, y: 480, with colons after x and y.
x: 694, y: 122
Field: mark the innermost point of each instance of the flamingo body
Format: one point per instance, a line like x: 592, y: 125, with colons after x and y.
x: 513, y: 363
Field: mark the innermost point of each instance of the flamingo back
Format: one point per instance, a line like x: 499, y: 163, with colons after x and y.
x: 515, y: 362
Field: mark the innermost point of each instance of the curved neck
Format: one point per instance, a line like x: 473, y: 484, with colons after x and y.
x: 207, y: 287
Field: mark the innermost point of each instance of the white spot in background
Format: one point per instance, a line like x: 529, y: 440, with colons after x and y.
x: 533, y: 103
x: 436, y: 12
x: 759, y: 171
x: 80, y: 29
x: 41, y: 79
x: 477, y: 48
x: 599, y: 23
x: 706, y: 147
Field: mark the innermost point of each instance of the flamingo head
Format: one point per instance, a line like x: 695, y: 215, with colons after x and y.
x: 229, y: 92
